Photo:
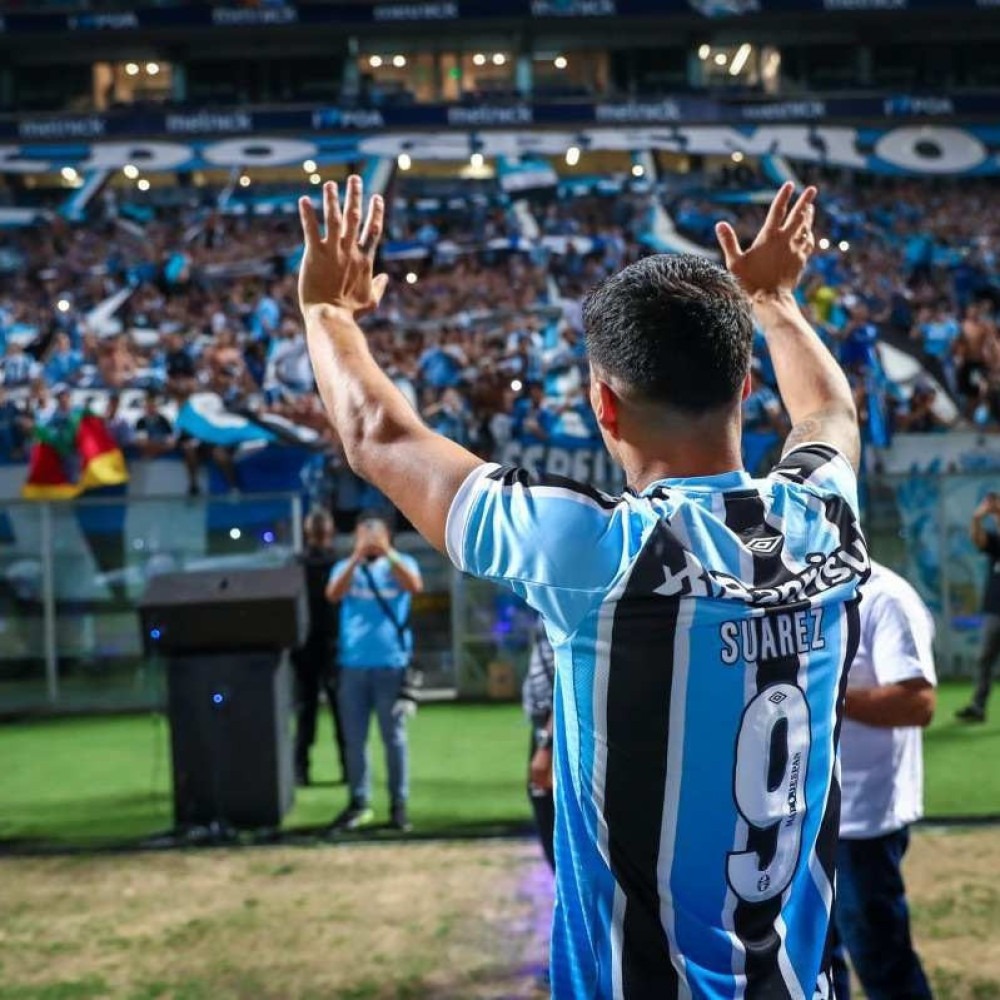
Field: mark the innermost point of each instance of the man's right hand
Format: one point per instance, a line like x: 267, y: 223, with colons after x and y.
x: 987, y: 506
x: 540, y: 770
x: 776, y: 259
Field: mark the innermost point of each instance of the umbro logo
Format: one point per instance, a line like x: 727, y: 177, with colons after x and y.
x: 765, y: 546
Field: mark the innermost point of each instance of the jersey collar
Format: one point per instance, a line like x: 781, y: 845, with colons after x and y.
x: 737, y: 479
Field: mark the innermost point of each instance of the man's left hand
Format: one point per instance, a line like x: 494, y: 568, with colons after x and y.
x: 337, y: 268
x: 540, y: 770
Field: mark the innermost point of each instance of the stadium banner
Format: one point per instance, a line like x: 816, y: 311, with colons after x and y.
x: 682, y: 110
x: 956, y: 451
x: 392, y: 12
x: 586, y: 463
x: 906, y: 149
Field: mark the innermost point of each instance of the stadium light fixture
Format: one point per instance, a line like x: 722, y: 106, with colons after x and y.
x: 374, y: 61
x: 411, y: 277
x: 152, y: 68
x: 63, y: 305
x: 403, y: 161
x: 235, y: 534
x: 517, y: 385
x: 399, y: 61
x: 476, y: 160
x: 309, y: 166
x: 69, y: 174
x: 142, y: 184
x: 704, y: 51
x: 560, y: 62
x: 132, y: 69
x: 245, y: 181
x: 315, y: 179
x: 638, y: 170
x: 572, y: 156
x: 499, y: 58
x: 479, y: 59
x: 843, y: 246
x: 824, y: 244
x: 740, y: 59
x: 737, y: 156
x: 131, y: 171
x: 721, y: 58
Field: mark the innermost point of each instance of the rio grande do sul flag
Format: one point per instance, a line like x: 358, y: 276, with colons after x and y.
x: 81, y: 456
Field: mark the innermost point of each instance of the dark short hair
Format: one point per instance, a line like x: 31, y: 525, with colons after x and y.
x: 376, y: 514
x: 672, y: 329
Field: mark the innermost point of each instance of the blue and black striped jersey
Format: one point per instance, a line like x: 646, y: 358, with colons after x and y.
x: 702, y: 631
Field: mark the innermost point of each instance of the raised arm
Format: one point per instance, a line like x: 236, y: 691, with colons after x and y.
x: 979, y: 515
x: 384, y: 441
x: 812, y: 385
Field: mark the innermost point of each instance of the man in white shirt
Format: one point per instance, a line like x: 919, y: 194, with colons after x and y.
x: 890, y: 697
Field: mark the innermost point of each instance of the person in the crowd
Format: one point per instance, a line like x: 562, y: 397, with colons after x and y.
x: 988, y: 542
x: 536, y: 698
x: 374, y: 588
x: 315, y: 661
x: 890, y: 698
x: 154, y: 434
x: 698, y: 637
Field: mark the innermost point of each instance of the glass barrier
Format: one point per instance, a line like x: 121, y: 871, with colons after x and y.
x: 73, y: 572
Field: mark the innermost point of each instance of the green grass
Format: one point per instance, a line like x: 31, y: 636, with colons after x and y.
x: 81, y: 781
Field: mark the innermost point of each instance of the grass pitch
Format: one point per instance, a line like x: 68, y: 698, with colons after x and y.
x: 86, y: 781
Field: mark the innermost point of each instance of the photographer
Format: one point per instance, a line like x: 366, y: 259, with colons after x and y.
x: 374, y: 588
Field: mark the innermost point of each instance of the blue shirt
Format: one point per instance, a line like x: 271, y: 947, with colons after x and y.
x: 702, y: 631
x: 367, y: 636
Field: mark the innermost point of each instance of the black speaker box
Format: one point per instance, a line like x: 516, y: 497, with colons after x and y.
x: 225, y: 611
x: 230, y: 743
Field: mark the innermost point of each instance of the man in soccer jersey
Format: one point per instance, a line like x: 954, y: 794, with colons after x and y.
x: 702, y: 622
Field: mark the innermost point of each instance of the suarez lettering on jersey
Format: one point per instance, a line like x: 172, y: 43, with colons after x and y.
x: 772, y: 637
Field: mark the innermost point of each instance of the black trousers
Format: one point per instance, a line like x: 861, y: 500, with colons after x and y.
x: 544, y: 808
x: 315, y: 670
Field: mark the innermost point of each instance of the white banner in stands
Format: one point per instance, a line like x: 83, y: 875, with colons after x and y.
x: 925, y: 149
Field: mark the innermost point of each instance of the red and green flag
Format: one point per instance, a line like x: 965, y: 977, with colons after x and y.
x: 73, y: 456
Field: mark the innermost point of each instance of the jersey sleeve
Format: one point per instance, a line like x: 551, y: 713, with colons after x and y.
x: 823, y: 468
x: 558, y: 544
x: 900, y: 643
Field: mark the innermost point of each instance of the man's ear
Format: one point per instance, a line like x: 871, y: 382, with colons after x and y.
x: 607, y: 406
x: 747, y: 387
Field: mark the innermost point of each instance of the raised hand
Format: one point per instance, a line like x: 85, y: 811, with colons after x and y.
x: 776, y: 259
x: 337, y: 268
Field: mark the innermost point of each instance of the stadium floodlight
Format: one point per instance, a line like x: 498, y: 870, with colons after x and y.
x: 499, y: 58
x: 63, y: 305
x: 479, y: 59
x: 824, y: 244
x: 704, y: 51
x: 737, y: 156
x: 560, y: 62
x: 572, y: 156
x: 740, y: 59
x: 411, y: 277
x: 638, y: 170
x: 245, y: 181
x: 142, y: 184
x: 315, y: 179
x: 399, y: 61
x: 374, y: 61
x: 843, y: 246
x: 152, y: 68
x: 131, y: 171
x: 721, y: 58
x: 235, y: 534
x: 309, y: 166
x: 132, y: 69
x: 403, y: 161
x: 477, y: 160
x: 69, y: 174
x: 517, y: 385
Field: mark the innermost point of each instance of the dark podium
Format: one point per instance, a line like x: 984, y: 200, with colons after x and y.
x: 225, y: 636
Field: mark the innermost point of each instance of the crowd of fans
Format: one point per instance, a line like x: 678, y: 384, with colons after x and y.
x: 481, y: 326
